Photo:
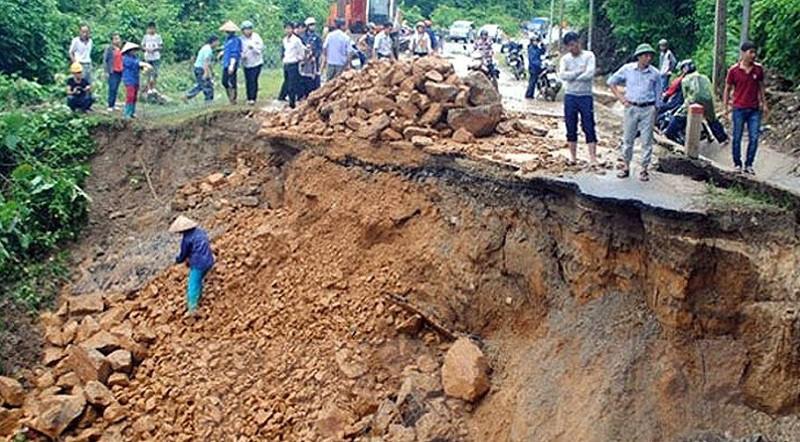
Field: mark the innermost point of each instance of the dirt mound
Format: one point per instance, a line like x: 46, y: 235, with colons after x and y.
x: 784, y: 126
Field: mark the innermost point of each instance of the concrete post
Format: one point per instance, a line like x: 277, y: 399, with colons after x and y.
x: 694, y: 125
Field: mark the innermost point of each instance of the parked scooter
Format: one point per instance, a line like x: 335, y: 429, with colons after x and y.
x: 514, y: 59
x: 548, y: 84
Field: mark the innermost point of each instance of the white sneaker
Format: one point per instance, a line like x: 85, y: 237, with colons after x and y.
x: 110, y: 109
x: 749, y: 171
x: 737, y: 169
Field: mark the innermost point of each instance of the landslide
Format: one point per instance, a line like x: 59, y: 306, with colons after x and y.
x: 602, y: 320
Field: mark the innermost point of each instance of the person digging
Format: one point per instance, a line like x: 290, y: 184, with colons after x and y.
x: 196, y: 253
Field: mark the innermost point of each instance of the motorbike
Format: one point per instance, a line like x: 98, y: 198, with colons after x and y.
x: 485, y: 65
x: 515, y: 60
x: 548, y: 84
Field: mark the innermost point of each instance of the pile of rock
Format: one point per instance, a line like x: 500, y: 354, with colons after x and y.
x: 91, y: 349
x: 419, y: 101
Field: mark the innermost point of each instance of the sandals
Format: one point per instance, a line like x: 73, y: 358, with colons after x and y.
x: 644, y: 176
x: 624, y: 173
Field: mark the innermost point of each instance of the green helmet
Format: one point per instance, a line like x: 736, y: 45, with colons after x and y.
x: 247, y: 24
x: 644, y: 48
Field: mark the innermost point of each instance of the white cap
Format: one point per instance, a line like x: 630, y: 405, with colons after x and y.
x: 311, y: 21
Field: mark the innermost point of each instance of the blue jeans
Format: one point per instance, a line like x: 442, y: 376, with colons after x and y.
x: 583, y: 106
x: 194, y: 289
x: 753, y: 119
x: 201, y: 84
x: 533, y: 73
x: 114, y: 80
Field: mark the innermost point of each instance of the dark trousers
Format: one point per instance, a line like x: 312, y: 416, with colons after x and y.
x: 251, y: 82
x: 751, y: 117
x: 291, y: 76
x: 579, y: 106
x: 114, y: 80
x: 201, y: 85
x: 229, y: 80
x: 81, y: 104
x: 533, y: 77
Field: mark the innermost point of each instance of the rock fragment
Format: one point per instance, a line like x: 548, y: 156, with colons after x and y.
x: 465, y: 371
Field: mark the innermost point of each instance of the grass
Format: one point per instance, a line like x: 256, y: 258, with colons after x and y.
x: 174, y: 80
x: 740, y: 198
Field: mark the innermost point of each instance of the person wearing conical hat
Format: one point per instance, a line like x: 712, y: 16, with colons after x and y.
x: 79, y: 91
x: 641, y: 98
x: 231, y: 57
x: 196, y: 253
x: 131, y: 67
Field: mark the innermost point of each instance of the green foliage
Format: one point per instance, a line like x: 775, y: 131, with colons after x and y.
x: 776, y: 27
x: 31, y: 38
x: 444, y: 15
x: 16, y: 92
x: 42, y: 166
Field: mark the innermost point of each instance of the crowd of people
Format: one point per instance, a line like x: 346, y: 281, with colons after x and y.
x: 651, y: 96
x: 651, y: 100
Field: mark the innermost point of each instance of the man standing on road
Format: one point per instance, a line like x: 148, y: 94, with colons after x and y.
x: 666, y: 63
x: 746, y: 78
x: 294, y: 51
x: 314, y: 42
x: 336, y: 51
x: 152, y: 45
x: 80, y: 51
x: 383, y: 43
x: 576, y: 69
x: 535, y: 54
x: 432, y: 36
x: 642, y: 96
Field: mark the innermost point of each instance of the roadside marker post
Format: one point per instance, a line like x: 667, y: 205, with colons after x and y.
x: 693, y: 127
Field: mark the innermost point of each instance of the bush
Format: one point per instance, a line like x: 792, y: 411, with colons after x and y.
x: 32, y: 33
x: 43, y: 158
x: 16, y: 92
x: 776, y: 25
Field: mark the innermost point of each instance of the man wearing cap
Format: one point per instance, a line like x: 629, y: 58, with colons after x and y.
x: 336, y: 51
x: 641, y: 97
x: 666, y: 63
x: 252, y: 60
x: 196, y: 253
x: 80, y: 51
x: 313, y: 42
x: 231, y: 57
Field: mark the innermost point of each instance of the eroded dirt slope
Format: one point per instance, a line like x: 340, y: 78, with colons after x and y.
x: 602, y: 320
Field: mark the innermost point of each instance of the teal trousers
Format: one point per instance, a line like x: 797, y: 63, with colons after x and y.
x: 194, y: 289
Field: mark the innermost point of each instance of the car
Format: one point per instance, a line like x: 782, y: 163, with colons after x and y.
x: 462, y: 30
x: 495, y: 33
x: 538, y: 25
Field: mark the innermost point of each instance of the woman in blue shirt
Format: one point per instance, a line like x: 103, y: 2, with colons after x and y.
x: 131, y: 67
x: 196, y: 253
x: 231, y: 55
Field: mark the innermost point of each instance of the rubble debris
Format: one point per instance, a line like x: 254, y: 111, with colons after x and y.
x: 465, y: 371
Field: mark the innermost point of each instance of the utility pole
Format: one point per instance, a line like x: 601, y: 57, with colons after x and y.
x: 720, y: 40
x: 560, y: 23
x: 591, y: 25
x: 550, y: 25
x: 745, y: 21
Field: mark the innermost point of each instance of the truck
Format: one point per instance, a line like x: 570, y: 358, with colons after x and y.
x: 357, y: 13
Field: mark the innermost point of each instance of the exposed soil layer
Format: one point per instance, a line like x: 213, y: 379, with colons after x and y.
x: 602, y: 320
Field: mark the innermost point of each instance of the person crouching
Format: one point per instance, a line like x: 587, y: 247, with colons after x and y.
x: 79, y: 91
x: 196, y: 253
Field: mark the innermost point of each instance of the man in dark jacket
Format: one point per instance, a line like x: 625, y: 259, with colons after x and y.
x: 196, y: 253
x: 535, y: 53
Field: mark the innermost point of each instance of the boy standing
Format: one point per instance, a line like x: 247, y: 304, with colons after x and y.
x: 746, y: 78
x: 576, y: 70
x: 112, y: 63
x: 152, y: 44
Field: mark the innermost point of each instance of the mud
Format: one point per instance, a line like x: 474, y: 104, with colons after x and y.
x: 602, y: 319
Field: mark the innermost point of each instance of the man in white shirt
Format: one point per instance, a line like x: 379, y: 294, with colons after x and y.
x: 152, y: 44
x: 383, y: 42
x: 336, y: 51
x: 80, y: 51
x: 252, y: 60
x: 666, y: 63
x: 294, y: 51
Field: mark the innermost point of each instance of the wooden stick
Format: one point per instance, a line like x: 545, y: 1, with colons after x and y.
x: 407, y: 306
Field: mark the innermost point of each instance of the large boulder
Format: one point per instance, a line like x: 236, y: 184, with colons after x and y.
x: 441, y: 92
x: 481, y: 90
x: 11, y: 392
x: 465, y: 372
x: 55, y: 413
x: 480, y: 121
x: 86, y: 304
x: 89, y: 365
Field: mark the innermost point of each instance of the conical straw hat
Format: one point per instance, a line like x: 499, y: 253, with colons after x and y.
x: 128, y: 46
x: 229, y: 26
x: 182, y: 224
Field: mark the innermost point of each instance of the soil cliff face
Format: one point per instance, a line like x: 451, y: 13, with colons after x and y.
x: 602, y: 320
